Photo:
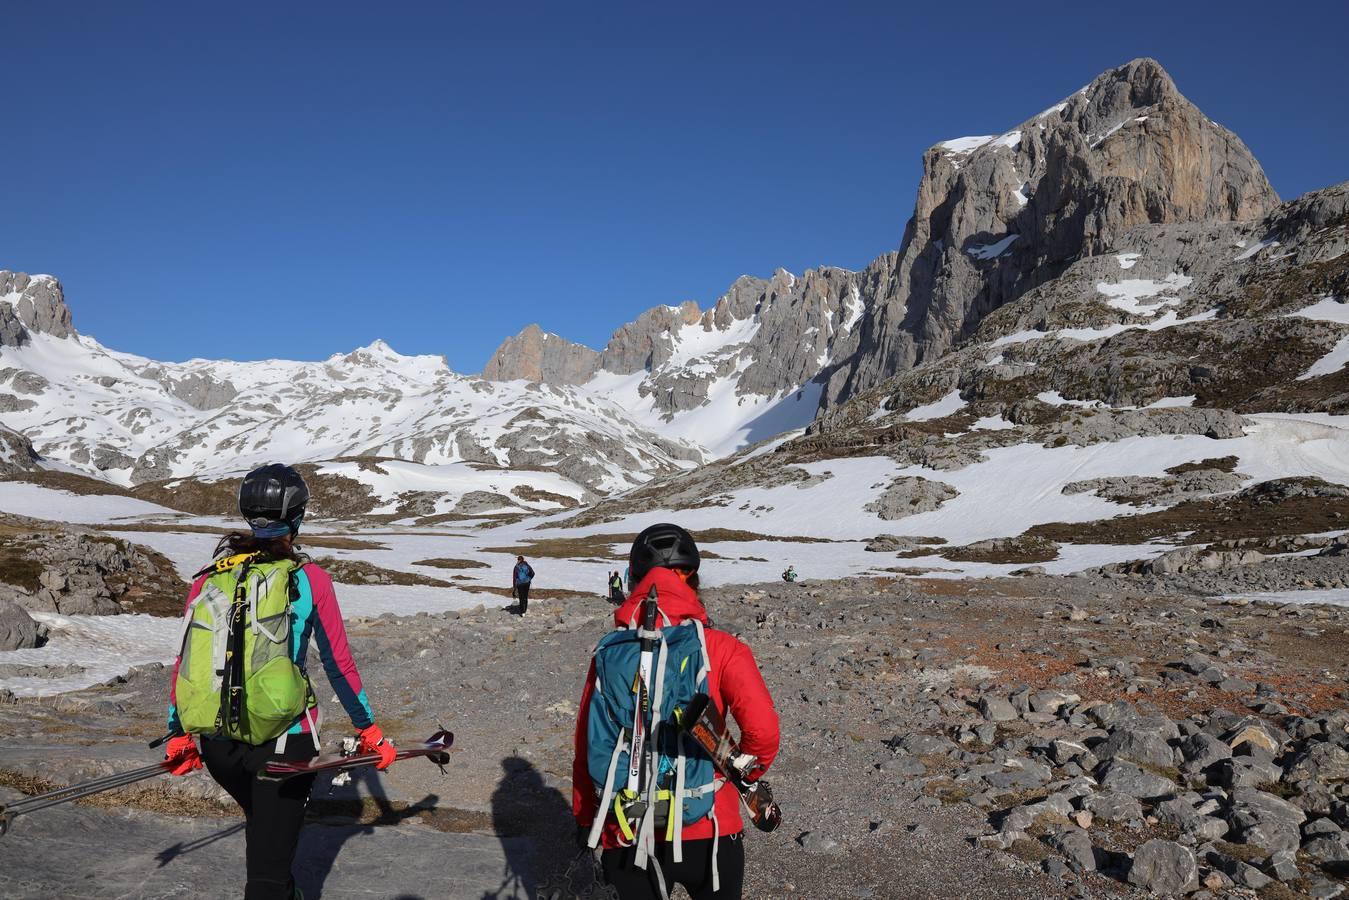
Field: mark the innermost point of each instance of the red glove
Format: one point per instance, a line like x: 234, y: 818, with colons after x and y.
x: 374, y: 741
x: 181, y: 755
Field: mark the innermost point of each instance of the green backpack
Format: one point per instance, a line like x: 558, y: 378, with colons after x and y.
x: 236, y: 675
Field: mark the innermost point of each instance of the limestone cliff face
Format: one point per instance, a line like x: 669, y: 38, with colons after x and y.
x: 997, y: 216
x: 31, y: 303
x: 536, y: 355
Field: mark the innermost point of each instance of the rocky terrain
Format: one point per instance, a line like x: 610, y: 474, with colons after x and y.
x: 51, y: 568
x: 1087, y: 736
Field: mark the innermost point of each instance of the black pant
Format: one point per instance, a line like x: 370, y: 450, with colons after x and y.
x: 694, y: 873
x: 522, y: 593
x: 273, y: 809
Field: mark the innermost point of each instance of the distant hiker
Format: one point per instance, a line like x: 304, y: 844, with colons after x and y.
x: 616, y: 589
x: 790, y: 574
x: 675, y: 826
x: 240, y: 684
x: 521, y: 576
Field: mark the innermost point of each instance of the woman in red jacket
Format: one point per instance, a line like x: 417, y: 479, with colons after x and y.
x: 666, y: 557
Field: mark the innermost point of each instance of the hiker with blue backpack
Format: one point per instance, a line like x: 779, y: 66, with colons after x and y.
x: 522, y: 575
x: 644, y: 792
x: 240, y: 682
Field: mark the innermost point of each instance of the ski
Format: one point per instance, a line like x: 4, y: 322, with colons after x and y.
x: 435, y: 748
x: 707, y: 727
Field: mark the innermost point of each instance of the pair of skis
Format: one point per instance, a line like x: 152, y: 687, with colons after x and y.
x: 435, y: 748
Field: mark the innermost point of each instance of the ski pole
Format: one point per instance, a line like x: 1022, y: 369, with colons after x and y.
x: 11, y: 811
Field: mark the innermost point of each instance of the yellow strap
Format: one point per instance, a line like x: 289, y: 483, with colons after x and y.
x: 230, y: 562
x: 624, y: 796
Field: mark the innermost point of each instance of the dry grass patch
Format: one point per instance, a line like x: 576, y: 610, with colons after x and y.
x: 439, y: 563
x: 1026, y: 548
x: 1271, y: 509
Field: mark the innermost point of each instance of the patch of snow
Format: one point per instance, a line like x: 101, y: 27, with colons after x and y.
x: 1020, y: 337
x: 1054, y: 398
x: 1172, y: 402
x: 992, y: 423
x: 939, y: 409
x: 1126, y: 295
x: 992, y: 251
x: 1327, y: 309
x: 965, y: 144
x: 1329, y: 597
x: 1332, y: 362
x: 1021, y: 194
x: 1011, y: 139
x: 1254, y: 249
x: 40, y: 502
x: 106, y: 646
x: 854, y: 309
x: 1127, y: 260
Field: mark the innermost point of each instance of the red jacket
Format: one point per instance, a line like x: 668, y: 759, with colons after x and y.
x: 734, y: 683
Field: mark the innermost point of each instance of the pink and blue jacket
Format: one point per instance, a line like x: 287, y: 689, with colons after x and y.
x: 315, y: 614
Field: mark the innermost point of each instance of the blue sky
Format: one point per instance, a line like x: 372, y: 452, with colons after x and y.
x: 236, y: 181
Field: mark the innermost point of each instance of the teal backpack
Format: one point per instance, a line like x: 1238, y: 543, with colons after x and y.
x: 675, y: 780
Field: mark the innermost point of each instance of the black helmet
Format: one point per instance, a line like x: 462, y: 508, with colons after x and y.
x: 272, y: 500
x: 662, y: 545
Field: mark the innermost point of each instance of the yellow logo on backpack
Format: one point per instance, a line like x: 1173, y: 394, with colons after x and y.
x: 237, y: 677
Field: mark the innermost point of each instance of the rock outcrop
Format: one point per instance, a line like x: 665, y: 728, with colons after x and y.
x: 18, y: 631
x: 997, y: 216
x: 537, y: 355
x: 31, y: 303
x: 16, y: 453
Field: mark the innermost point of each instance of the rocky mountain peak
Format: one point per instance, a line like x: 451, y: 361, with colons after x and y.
x: 538, y: 355
x: 998, y: 215
x: 31, y: 303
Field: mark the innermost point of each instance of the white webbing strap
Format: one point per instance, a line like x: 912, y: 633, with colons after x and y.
x: 716, y: 841
x: 706, y: 668
x: 646, y: 833
x: 677, y: 803
x: 607, y: 795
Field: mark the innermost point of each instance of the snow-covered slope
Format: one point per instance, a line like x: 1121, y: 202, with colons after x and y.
x: 130, y: 420
x: 722, y: 378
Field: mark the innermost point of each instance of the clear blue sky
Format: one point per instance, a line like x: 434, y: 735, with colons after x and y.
x: 295, y: 179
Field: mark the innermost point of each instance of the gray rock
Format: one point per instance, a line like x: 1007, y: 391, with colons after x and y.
x: 996, y: 709
x: 1240, y: 872
x: 1319, y: 762
x: 1138, y: 745
x: 1164, y: 867
x: 818, y: 842
x: 1282, y: 865
x: 18, y: 631
x: 1075, y: 846
x: 1202, y: 750
x: 909, y: 495
x: 1328, y: 849
x: 1113, y: 807
x: 1122, y: 777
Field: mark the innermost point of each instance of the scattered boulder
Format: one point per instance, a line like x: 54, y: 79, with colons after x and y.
x: 909, y: 495
x: 1164, y: 867
x: 18, y: 631
x: 1122, y: 777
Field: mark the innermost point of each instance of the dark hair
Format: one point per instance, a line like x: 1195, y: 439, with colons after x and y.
x: 692, y: 580
x: 272, y: 549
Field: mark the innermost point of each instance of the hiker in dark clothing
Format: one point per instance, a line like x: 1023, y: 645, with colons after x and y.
x: 616, y: 589
x: 521, y: 576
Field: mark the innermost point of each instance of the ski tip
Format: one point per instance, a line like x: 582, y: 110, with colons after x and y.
x: 441, y: 738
